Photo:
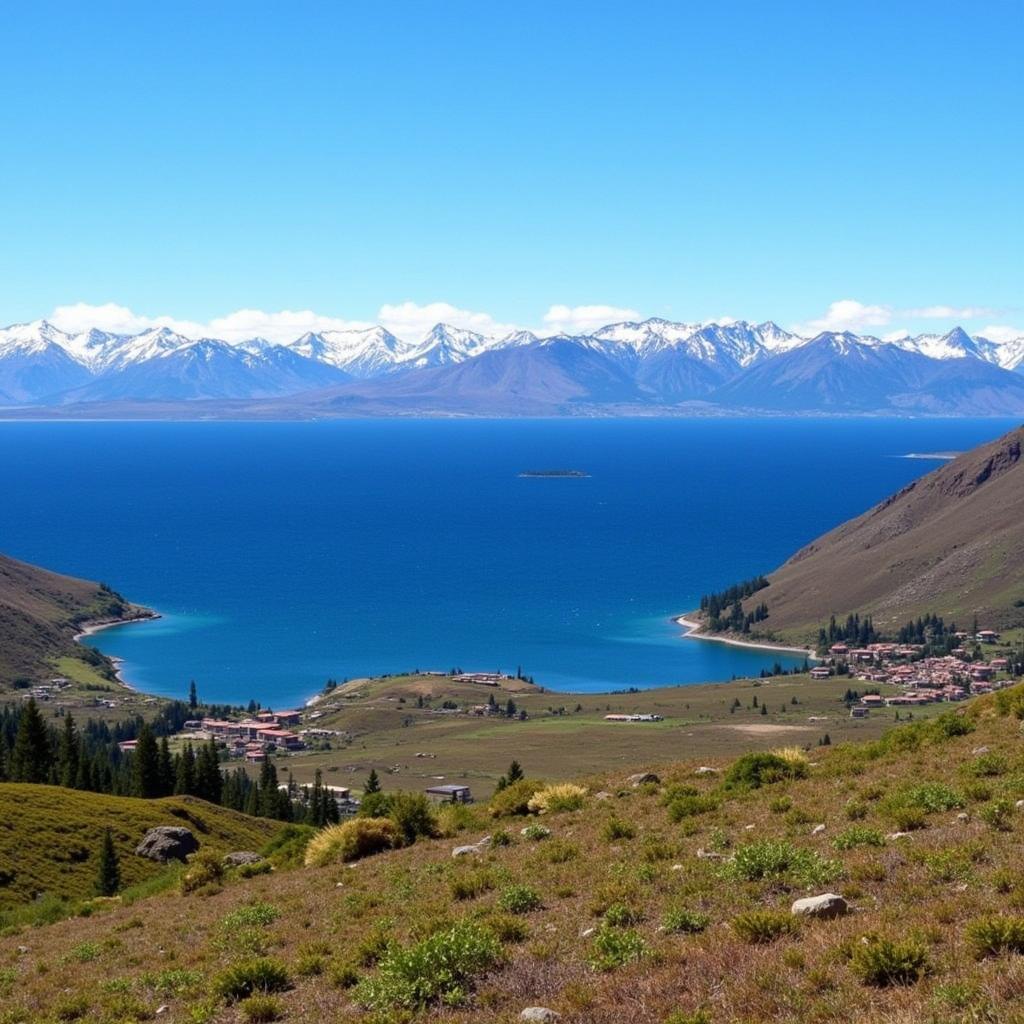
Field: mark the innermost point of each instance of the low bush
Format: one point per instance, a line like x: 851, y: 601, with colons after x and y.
x: 858, y: 835
x: 685, y: 922
x: 690, y: 806
x: 535, y: 833
x: 413, y: 815
x: 288, y: 848
x: 519, y: 899
x: 615, y: 829
x: 437, y: 969
x: 777, y: 859
x: 763, y: 926
x: 255, y: 914
x: 205, y: 868
x: 252, y: 977
x: 614, y: 947
x: 928, y: 797
x: 993, y: 936
x: 883, y: 962
x: 563, y: 797
x: 261, y: 1009
x: 998, y: 815
x: 472, y: 884
x: 621, y: 915
x: 986, y: 766
x: 751, y: 771
x: 360, y: 837
x: 514, y: 799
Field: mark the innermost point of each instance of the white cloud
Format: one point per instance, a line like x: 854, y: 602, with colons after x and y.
x: 1001, y: 333
x: 581, y: 319
x: 411, y: 321
x: 896, y: 335
x: 847, y: 315
x: 948, y: 312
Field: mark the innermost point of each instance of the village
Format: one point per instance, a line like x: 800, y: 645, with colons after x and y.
x: 921, y: 678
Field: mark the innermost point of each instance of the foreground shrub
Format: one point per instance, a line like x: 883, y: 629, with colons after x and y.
x: 883, y: 962
x: 993, y: 936
x: 438, y: 969
x: 261, y: 1009
x: 519, y: 899
x: 514, y: 799
x: 564, y: 797
x: 360, y: 837
x: 621, y: 915
x: 614, y: 947
x: 616, y: 828
x: 754, y: 770
x: 927, y: 797
x: 288, y: 848
x: 998, y: 815
x: 777, y: 859
x: 413, y: 816
x: 204, y: 868
x: 858, y: 835
x: 259, y: 976
x: 763, y: 926
x: 686, y: 922
x: 690, y: 806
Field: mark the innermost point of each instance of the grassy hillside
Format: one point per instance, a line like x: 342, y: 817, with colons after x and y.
x: 49, y: 837
x: 40, y: 612
x: 662, y: 903
x: 950, y: 543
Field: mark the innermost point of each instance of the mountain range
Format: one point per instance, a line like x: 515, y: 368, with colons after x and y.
x: 650, y: 366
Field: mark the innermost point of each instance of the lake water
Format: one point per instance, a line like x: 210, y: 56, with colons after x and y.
x: 284, y: 554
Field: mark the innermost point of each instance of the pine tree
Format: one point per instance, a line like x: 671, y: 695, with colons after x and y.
x: 185, y: 772
x: 193, y: 697
x: 67, y: 754
x: 146, y: 765
x: 30, y: 756
x: 108, y: 875
x: 515, y: 772
x: 372, y: 783
x: 165, y: 768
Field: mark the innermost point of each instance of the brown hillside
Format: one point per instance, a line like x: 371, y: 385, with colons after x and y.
x: 40, y: 612
x: 950, y: 543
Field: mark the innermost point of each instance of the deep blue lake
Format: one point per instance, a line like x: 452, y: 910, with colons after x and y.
x: 282, y: 554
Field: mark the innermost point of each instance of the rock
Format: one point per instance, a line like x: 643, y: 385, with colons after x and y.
x: 465, y: 851
x: 239, y: 857
x: 602, y: 795
x: 486, y: 841
x: 828, y: 904
x: 978, y: 751
x: 587, y: 932
x: 817, y: 830
x: 167, y: 842
x: 643, y: 777
x: 899, y: 835
x: 747, y: 828
x: 23, y: 949
x: 703, y: 854
x: 1019, y: 805
x: 162, y: 1009
x: 539, y: 1015
x: 963, y: 816
x: 677, y: 867
x: 705, y: 770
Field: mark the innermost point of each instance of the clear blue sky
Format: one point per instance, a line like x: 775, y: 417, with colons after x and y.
x: 687, y: 160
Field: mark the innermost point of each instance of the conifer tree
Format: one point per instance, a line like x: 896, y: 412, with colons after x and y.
x: 67, y: 754
x: 146, y: 765
x: 30, y: 755
x: 165, y: 766
x: 108, y: 875
x: 515, y: 772
x: 193, y: 697
x: 372, y: 783
x: 185, y: 772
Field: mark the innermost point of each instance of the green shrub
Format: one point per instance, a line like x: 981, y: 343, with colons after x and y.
x: 907, y: 819
x: 413, y: 815
x: 986, y: 766
x: 519, y: 899
x: 360, y: 837
x: 858, y: 835
x: 261, y: 1009
x: 262, y: 867
x: 928, y: 797
x: 993, y: 936
x: 616, y: 828
x: 256, y: 914
x: 343, y: 975
x: 682, y: 921
x: 998, y: 815
x: 514, y: 799
x: 437, y: 969
x: 950, y: 724
x: 312, y: 959
x: 250, y: 977
x: 780, y: 804
x: 204, y: 868
x: 558, y: 851
x: 882, y: 962
x: 472, y: 884
x: 566, y: 796
x: 614, y: 947
x: 690, y: 806
x: 501, y: 837
x: 71, y: 1008
x: 507, y: 927
x: 535, y: 833
x: 754, y: 770
x: 855, y: 810
x: 288, y: 848
x: 763, y: 926
x: 777, y: 859
x: 621, y: 915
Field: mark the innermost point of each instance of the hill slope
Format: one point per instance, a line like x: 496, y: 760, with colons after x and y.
x: 950, y: 543
x: 663, y: 902
x: 49, y: 836
x: 40, y: 613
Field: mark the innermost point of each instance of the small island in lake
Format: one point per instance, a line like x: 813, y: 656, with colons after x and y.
x: 573, y: 474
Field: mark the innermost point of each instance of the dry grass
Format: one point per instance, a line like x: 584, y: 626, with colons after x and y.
x: 929, y: 889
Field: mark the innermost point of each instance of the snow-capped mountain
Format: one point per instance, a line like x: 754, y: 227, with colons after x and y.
x: 361, y: 353
x: 734, y: 364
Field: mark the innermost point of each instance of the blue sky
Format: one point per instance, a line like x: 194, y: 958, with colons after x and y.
x: 513, y: 164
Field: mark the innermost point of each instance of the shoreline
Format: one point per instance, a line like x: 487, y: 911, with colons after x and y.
x: 98, y: 625
x: 693, y: 633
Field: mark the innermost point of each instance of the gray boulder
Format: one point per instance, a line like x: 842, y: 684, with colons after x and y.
x: 828, y: 904
x: 539, y: 1015
x: 240, y: 857
x: 167, y: 842
x: 638, y: 780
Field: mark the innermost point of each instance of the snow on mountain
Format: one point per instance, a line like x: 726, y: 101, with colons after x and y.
x: 445, y: 345
x: 361, y: 353
x: 647, y: 336
x: 1010, y: 354
x: 34, y: 363
x: 955, y: 344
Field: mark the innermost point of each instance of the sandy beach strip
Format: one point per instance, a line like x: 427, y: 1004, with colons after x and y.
x: 693, y: 633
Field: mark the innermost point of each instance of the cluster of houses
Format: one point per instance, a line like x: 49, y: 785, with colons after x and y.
x: 252, y: 738
x: 633, y: 718
x: 922, y: 680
